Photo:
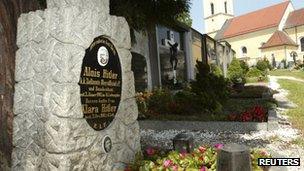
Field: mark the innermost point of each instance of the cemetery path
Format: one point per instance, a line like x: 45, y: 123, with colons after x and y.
x: 280, y: 142
x: 288, y: 78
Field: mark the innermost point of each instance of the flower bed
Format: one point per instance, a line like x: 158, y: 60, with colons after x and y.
x: 201, y: 159
x: 255, y: 114
x: 163, y: 106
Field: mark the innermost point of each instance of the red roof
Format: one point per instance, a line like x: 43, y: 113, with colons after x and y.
x: 258, y: 20
x: 279, y: 38
x: 295, y: 18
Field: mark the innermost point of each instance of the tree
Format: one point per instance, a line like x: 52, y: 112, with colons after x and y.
x: 144, y: 14
x: 185, y: 18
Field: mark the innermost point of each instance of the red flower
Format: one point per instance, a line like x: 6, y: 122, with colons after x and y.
x: 259, y: 113
x: 202, y: 149
x: 246, y: 117
x: 128, y: 169
x: 150, y: 151
x: 167, y: 163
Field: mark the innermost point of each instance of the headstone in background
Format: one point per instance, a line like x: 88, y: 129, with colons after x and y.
x: 183, y: 143
x: 50, y: 130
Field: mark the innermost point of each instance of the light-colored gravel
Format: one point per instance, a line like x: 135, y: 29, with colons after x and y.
x: 278, y: 142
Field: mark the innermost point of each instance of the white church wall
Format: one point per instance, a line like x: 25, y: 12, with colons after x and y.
x: 296, y: 34
x: 252, y: 41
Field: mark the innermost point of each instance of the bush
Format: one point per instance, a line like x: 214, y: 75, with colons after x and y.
x: 235, y: 72
x: 264, y: 65
x: 159, y: 101
x: 211, y: 89
x: 163, y: 102
x: 254, y: 72
x: 244, y: 66
x: 216, y: 70
x: 181, y: 105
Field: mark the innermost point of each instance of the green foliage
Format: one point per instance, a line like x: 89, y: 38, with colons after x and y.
x: 159, y: 101
x: 244, y: 66
x: 163, y: 102
x: 211, y: 89
x: 202, y: 158
x: 144, y: 14
x: 185, y: 18
x: 264, y: 65
x: 216, y: 70
x: 254, y: 72
x: 236, y: 72
x: 206, y: 95
x: 181, y: 105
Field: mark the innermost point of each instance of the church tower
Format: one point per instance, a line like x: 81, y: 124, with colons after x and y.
x: 216, y: 12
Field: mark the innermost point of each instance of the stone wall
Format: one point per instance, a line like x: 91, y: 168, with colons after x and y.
x: 50, y: 132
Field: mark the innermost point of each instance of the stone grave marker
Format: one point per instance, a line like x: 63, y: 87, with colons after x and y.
x: 234, y: 157
x: 74, y: 99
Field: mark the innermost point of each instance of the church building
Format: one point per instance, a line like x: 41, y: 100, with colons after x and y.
x: 275, y: 32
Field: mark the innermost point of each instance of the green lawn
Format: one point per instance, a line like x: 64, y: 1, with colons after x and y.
x: 296, y: 94
x: 283, y: 72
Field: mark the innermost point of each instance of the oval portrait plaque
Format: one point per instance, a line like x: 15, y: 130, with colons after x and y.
x: 100, y: 83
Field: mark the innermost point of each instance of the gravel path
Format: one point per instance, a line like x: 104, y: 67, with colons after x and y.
x: 288, y: 78
x: 278, y: 142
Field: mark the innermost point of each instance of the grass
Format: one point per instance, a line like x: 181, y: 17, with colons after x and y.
x: 299, y: 142
x: 296, y: 94
x: 256, y: 80
x: 284, y: 72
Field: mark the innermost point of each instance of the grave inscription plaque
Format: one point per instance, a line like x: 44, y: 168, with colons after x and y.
x: 100, y: 83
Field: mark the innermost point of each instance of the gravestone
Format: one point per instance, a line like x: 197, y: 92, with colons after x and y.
x: 234, y: 157
x: 74, y: 99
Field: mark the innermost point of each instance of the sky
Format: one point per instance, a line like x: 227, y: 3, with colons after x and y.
x: 240, y: 7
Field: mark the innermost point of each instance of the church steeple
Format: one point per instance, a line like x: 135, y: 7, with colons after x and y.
x: 216, y: 12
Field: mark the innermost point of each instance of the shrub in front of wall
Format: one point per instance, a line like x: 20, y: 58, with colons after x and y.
x: 244, y: 66
x: 185, y: 102
x: 264, y: 65
x: 216, y: 70
x: 254, y: 72
x: 235, y: 72
x: 159, y: 102
x: 211, y: 89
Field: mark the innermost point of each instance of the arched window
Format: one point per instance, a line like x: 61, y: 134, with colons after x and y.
x: 212, y: 8
x: 302, y: 44
x: 244, y: 50
x: 226, y: 11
